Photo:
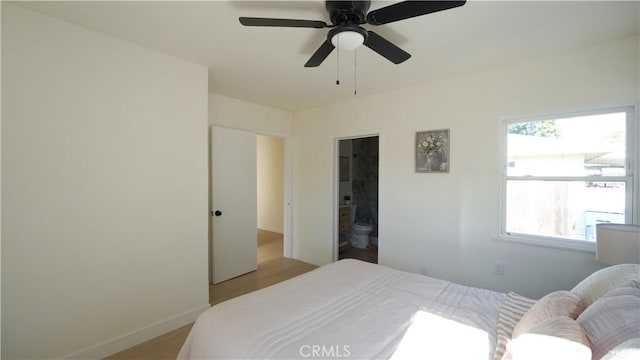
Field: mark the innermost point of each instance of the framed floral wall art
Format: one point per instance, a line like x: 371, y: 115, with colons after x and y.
x: 432, y: 151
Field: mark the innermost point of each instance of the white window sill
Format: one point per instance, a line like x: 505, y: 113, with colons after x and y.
x: 550, y: 242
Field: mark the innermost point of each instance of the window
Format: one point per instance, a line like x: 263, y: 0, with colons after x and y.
x: 564, y: 174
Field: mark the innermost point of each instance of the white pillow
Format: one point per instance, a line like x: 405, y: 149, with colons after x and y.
x: 628, y: 350
x: 557, y: 303
x: 556, y: 338
x: 612, y: 319
x: 603, y: 280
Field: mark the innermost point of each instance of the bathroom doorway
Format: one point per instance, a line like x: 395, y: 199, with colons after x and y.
x: 357, y: 198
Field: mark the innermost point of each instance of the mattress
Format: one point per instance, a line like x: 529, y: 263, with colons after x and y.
x: 350, y: 309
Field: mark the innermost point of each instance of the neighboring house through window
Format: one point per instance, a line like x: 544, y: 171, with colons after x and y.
x: 564, y: 174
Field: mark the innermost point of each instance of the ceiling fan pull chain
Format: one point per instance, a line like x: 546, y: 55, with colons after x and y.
x: 355, y: 72
x: 338, y: 62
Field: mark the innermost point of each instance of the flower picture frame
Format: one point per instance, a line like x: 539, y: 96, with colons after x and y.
x: 432, y: 151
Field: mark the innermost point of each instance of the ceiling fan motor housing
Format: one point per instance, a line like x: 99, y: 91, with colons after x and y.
x: 348, y: 12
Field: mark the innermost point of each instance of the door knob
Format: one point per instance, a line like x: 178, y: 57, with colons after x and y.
x: 217, y: 213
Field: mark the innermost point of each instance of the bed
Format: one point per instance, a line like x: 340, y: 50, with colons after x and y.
x: 353, y: 309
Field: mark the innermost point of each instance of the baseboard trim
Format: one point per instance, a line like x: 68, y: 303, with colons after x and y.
x: 137, y: 337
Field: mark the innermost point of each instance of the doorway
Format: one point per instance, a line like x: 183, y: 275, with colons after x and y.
x: 234, y: 234
x: 357, y: 198
x: 270, y: 166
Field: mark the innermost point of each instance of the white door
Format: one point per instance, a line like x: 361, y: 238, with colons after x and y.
x: 234, y: 249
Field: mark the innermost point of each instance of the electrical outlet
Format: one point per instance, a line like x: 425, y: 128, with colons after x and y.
x: 498, y: 269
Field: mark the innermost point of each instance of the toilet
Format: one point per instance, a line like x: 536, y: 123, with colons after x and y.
x: 359, y: 231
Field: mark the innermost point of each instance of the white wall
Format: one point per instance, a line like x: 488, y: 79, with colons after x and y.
x: 0, y: 188
x: 270, y: 174
x: 238, y: 114
x: 446, y: 223
x: 104, y: 190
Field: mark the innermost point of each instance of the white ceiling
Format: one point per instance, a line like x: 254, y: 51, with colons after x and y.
x: 265, y: 65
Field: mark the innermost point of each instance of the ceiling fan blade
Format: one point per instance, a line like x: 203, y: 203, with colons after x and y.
x: 253, y: 21
x: 408, y: 9
x: 385, y: 48
x: 318, y: 57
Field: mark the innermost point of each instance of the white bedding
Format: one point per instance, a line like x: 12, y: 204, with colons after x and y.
x: 350, y: 309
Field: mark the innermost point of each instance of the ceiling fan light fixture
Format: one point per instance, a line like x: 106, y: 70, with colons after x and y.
x: 347, y: 40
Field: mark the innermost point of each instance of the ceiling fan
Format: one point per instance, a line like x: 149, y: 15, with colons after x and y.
x: 346, y: 32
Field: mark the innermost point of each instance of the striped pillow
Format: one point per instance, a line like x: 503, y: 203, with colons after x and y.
x: 510, y: 313
x: 612, y: 319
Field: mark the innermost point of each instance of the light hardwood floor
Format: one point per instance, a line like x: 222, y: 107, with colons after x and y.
x: 272, y: 268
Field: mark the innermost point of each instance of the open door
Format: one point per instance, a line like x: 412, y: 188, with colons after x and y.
x: 233, y: 201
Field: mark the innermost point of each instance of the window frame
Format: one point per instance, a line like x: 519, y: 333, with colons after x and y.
x: 631, y: 181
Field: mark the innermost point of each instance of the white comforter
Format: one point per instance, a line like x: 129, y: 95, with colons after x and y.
x: 350, y: 309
